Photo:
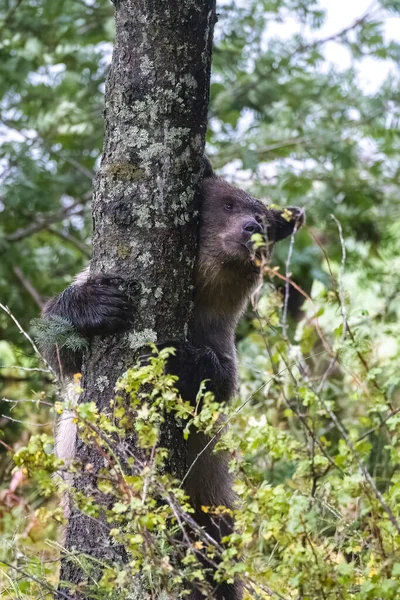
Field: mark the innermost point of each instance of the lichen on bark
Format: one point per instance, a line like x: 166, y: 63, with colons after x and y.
x: 144, y: 209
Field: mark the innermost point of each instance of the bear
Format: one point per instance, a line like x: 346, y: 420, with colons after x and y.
x: 227, y: 272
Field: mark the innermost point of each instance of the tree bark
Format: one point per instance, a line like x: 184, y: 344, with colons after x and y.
x: 144, y: 211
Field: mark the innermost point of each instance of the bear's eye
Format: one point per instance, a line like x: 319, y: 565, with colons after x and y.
x: 228, y: 206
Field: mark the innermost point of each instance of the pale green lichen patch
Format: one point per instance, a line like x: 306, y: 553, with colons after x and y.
x: 186, y: 198
x: 146, y: 111
x: 145, y: 290
x: 146, y: 65
x: 137, y: 136
x: 158, y: 293
x: 102, y: 383
x: 123, y: 251
x: 148, y: 154
x: 146, y: 259
x: 142, y: 216
x: 125, y: 171
x: 181, y: 219
x: 108, y: 264
x: 138, y: 339
x: 174, y: 136
x: 197, y: 142
x: 189, y: 81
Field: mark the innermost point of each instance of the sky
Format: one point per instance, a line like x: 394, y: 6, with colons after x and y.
x: 341, y: 14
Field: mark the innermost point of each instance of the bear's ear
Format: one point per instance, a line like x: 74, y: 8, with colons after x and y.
x: 286, y: 220
x: 208, y: 170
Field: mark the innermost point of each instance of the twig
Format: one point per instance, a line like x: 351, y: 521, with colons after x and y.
x: 296, y: 141
x: 336, y: 420
x: 146, y: 480
x: 29, y: 400
x: 28, y: 286
x: 274, y: 273
x: 30, y: 423
x: 339, y: 34
x: 58, y: 593
x: 348, y: 328
x: 71, y: 239
x: 25, y: 368
x: 342, y: 307
x: 6, y: 446
x: 300, y: 416
x: 383, y: 422
x: 233, y: 415
x: 178, y: 519
x: 205, y: 536
x: 20, y: 378
x: 362, y: 466
x: 287, y: 284
x: 316, y: 559
x: 21, y: 329
x: 26, y: 335
x: 43, y: 220
x: 89, y: 174
x: 10, y: 14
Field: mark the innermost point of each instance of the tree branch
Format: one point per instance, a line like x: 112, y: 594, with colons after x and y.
x: 71, y: 239
x: 44, y: 219
x: 10, y: 14
x: 339, y: 34
x: 28, y: 286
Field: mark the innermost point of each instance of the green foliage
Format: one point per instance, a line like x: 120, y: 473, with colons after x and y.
x: 314, y: 432
x: 147, y: 508
x: 58, y: 331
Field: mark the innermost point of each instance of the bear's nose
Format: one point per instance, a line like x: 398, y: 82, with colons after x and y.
x: 252, y: 226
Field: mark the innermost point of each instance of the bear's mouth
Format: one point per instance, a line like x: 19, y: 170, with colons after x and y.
x: 256, y: 247
x: 256, y: 254
x: 247, y: 252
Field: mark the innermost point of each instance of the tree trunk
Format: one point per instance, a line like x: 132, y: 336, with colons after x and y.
x: 144, y: 211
